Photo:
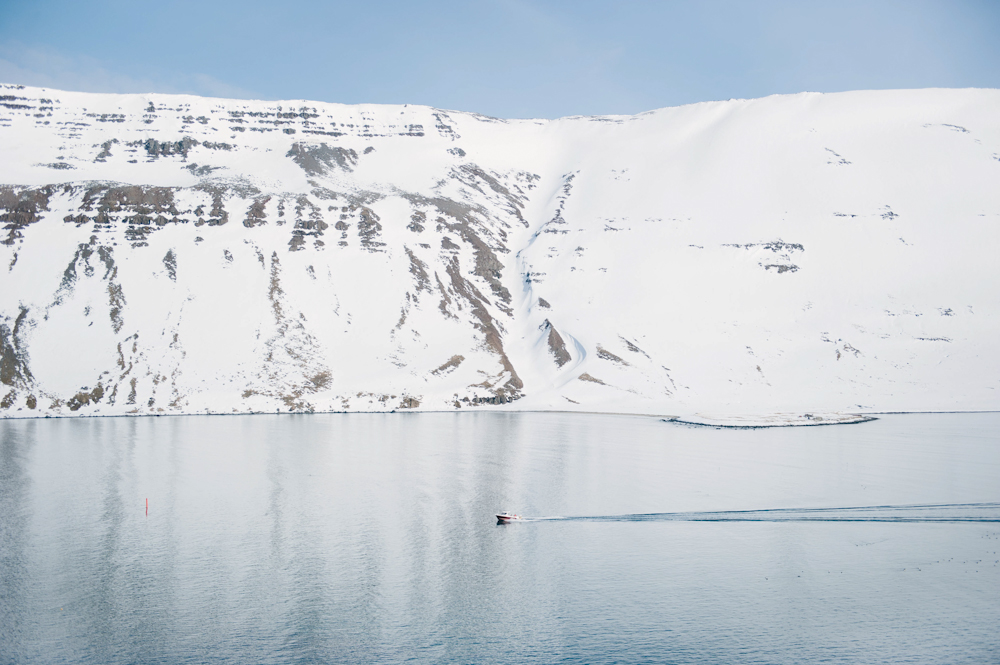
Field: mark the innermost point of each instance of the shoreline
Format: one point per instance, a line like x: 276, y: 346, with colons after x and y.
x: 857, y: 420
x: 735, y: 422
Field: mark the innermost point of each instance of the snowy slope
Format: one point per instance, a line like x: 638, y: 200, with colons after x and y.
x: 795, y: 254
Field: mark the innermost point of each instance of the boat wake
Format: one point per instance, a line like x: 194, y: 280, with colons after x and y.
x: 927, y: 513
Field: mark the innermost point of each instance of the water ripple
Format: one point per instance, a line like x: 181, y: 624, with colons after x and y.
x: 938, y: 512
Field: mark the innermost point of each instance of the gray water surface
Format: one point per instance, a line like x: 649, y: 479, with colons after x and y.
x: 371, y: 538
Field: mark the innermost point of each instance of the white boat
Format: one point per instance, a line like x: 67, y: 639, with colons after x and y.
x: 507, y: 517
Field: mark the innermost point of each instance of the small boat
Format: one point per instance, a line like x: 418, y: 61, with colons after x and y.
x: 505, y: 517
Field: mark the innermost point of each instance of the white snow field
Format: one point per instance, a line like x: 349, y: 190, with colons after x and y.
x: 792, y: 259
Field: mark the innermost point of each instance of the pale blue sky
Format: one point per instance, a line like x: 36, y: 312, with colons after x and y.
x: 508, y: 58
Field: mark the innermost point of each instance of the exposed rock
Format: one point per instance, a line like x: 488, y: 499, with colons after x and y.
x: 105, y: 152
x: 557, y: 347
x: 170, y: 263
x: 417, y: 221
x: 308, y: 223
x: 256, y: 215
x: 156, y: 149
x: 419, y: 271
x: 632, y: 347
x: 201, y: 170
x: 116, y: 303
x: 452, y: 363
x: 369, y: 230
x: 607, y: 355
x: 468, y: 223
x: 409, y: 403
x: 319, y: 159
x: 85, y: 398
x: 14, y: 369
x: 487, y: 326
x: 218, y: 215
x: 22, y: 206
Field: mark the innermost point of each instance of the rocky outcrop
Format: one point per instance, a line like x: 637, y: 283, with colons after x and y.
x: 320, y: 159
x: 557, y: 347
x: 20, y: 207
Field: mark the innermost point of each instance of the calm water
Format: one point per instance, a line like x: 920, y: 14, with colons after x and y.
x: 370, y: 538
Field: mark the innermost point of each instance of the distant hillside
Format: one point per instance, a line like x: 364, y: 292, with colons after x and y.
x: 789, y: 255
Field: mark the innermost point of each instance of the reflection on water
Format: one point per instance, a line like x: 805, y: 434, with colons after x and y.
x: 372, y: 538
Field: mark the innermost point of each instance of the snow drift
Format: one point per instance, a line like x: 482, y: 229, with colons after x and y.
x: 800, y: 255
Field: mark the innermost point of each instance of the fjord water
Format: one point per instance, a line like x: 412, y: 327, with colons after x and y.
x: 371, y: 538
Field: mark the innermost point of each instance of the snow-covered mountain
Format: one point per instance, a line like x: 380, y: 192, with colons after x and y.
x: 795, y: 254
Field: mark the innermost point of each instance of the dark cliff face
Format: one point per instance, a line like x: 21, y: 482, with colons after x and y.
x: 133, y: 218
x: 20, y: 207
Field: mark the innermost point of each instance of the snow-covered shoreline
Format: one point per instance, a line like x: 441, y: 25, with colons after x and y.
x: 732, y: 422
x: 784, y: 420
